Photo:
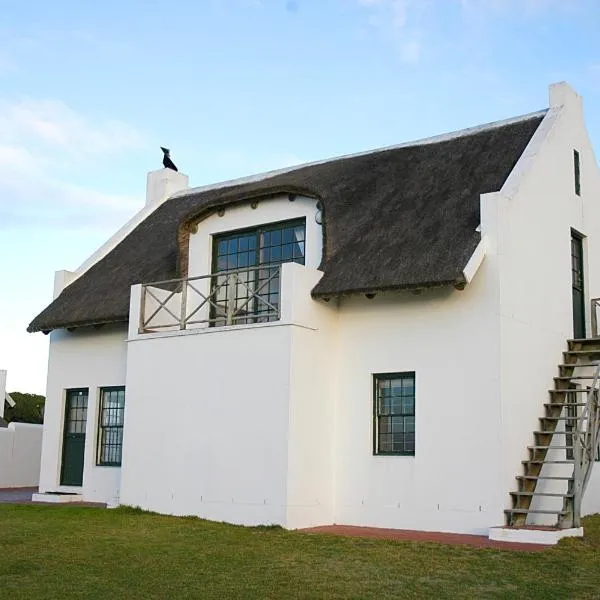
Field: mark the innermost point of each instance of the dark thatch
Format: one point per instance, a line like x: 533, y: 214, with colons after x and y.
x: 393, y: 219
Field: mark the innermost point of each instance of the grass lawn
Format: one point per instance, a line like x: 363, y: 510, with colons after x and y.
x: 69, y: 552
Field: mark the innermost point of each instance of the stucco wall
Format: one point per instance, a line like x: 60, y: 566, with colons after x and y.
x: 85, y: 358
x: 534, y: 216
x: 20, y: 451
x: 208, y: 424
x: 449, y: 339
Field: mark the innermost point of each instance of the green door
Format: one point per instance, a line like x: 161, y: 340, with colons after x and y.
x: 74, y: 437
x: 577, y: 286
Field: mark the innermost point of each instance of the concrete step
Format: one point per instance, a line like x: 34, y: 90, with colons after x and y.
x: 536, y: 511
x: 548, y: 462
x: 551, y: 494
x: 550, y: 477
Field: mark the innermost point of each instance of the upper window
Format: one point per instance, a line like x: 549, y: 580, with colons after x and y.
x: 394, y: 413
x: 253, y: 255
x: 110, y: 433
x: 577, y: 172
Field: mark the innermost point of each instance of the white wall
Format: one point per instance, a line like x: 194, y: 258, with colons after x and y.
x: 20, y: 450
x: 85, y: 358
x: 227, y: 417
x: 534, y: 216
x: 243, y: 216
x: 449, y: 339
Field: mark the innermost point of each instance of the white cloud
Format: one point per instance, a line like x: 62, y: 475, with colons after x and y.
x: 44, y: 147
x: 399, y: 21
x: 54, y: 123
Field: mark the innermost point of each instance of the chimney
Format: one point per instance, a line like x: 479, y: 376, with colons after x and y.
x: 164, y: 183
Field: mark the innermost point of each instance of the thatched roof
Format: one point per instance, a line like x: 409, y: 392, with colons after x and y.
x: 397, y: 218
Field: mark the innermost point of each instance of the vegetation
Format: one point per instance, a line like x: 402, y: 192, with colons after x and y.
x: 29, y: 408
x: 81, y: 552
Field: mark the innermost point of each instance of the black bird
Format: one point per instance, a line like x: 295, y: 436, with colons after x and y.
x: 167, y: 162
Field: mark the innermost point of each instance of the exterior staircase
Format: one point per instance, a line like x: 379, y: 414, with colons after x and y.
x: 565, y: 446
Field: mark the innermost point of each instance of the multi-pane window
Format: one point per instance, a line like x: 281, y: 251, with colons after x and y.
x: 76, y: 417
x: 110, y: 434
x: 577, y: 172
x: 394, y: 413
x: 254, y: 255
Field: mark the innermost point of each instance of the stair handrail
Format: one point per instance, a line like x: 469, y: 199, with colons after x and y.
x: 585, y: 444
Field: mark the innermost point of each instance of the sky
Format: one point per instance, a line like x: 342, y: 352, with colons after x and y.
x: 90, y: 90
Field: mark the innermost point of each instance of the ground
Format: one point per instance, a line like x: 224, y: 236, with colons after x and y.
x: 83, y: 552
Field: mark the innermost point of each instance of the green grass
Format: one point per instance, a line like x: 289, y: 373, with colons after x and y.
x: 70, y: 552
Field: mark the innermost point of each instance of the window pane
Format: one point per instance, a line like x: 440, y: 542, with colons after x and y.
x: 395, y: 423
x: 112, y: 411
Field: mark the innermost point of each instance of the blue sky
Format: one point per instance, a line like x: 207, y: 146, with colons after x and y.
x: 88, y: 91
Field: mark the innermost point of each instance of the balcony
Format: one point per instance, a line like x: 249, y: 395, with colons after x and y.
x: 237, y: 297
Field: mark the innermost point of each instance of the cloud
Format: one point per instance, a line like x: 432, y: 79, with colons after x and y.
x: 400, y: 22
x: 45, y: 147
x: 52, y: 122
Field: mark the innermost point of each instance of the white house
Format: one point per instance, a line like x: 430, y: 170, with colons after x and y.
x: 368, y: 340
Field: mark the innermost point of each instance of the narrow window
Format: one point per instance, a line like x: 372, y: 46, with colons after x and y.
x: 394, y: 413
x: 110, y: 430
x: 577, y: 170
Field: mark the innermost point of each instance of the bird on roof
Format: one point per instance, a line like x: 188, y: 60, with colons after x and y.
x: 167, y: 162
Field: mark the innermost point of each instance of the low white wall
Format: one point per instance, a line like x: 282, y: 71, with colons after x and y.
x: 20, y: 452
x: 85, y: 358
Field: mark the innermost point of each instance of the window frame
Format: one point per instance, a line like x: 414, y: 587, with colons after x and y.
x: 376, y: 378
x: 577, y: 171
x: 101, y: 428
x: 257, y: 233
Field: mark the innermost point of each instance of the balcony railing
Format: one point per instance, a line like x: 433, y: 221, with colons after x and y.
x: 595, y: 306
x: 241, y: 296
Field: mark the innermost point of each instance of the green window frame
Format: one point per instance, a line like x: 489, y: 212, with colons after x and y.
x: 255, y: 253
x: 111, y: 415
x: 394, y: 414
x: 577, y: 172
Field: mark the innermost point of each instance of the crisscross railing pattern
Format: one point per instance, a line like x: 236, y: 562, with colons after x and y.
x: 585, y: 444
x: 240, y: 296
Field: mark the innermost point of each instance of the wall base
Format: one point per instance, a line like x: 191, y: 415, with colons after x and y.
x: 532, y: 535
x: 57, y: 498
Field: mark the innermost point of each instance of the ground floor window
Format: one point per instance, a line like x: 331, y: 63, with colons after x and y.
x: 394, y: 413
x: 110, y: 430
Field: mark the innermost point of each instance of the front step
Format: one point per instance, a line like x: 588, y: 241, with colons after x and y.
x: 551, y: 477
x: 551, y: 494
x: 542, y: 462
x: 532, y: 535
x: 533, y: 511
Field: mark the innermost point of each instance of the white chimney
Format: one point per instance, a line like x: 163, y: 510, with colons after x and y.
x: 164, y: 183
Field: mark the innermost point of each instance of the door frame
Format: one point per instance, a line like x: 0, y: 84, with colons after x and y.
x: 579, y: 237
x: 67, y: 393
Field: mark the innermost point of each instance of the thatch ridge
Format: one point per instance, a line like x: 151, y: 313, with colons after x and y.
x: 399, y: 218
